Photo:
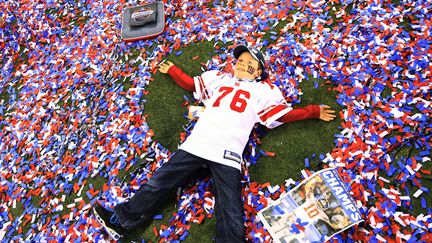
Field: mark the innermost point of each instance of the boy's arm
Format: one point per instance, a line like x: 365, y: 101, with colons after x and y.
x: 308, y: 112
x: 181, y: 78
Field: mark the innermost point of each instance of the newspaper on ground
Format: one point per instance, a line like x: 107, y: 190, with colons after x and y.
x: 314, y: 211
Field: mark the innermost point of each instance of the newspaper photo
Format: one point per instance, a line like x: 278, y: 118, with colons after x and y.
x: 314, y: 211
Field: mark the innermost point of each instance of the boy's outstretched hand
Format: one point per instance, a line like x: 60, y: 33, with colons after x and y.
x: 326, y: 114
x: 164, y: 66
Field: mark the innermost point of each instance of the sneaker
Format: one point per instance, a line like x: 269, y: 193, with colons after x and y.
x: 109, y: 221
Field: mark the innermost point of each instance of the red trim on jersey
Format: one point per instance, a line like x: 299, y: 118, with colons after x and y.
x: 265, y: 110
x: 308, y: 112
x: 270, y: 111
x: 181, y: 78
x: 203, y: 89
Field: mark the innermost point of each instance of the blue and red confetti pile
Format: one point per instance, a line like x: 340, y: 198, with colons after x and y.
x: 67, y: 118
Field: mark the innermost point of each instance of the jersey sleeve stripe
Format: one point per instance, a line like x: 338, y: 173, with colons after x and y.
x: 266, y: 110
x: 203, y: 89
x: 270, y: 112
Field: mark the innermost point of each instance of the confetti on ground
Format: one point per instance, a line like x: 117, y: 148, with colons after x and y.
x: 67, y: 116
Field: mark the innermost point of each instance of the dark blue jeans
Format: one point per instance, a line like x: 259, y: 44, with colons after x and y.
x: 176, y: 172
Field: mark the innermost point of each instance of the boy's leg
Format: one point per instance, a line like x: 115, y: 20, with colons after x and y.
x: 172, y: 174
x: 229, y: 204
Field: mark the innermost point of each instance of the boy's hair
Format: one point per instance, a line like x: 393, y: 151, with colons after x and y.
x: 255, y: 54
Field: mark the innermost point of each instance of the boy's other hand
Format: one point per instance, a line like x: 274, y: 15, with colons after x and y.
x: 164, y: 66
x: 326, y: 114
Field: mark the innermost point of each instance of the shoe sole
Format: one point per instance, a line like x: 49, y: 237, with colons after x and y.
x: 112, y: 233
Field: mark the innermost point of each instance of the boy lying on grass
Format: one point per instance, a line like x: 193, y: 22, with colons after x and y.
x: 234, y: 104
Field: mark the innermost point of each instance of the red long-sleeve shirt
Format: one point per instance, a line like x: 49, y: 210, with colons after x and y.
x: 297, y: 114
x: 181, y: 78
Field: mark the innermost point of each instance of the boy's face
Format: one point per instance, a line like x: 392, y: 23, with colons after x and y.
x: 247, y: 67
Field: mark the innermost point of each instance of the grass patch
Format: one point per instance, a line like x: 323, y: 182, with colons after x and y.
x: 163, y: 105
x: 296, y: 141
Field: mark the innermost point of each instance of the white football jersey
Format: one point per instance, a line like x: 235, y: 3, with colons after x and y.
x: 232, y: 109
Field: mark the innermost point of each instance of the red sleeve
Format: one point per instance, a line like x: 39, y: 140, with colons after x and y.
x: 308, y: 112
x: 181, y: 78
